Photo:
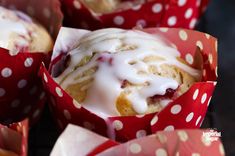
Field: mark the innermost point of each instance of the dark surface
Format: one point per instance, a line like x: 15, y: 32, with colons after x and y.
x: 219, y: 21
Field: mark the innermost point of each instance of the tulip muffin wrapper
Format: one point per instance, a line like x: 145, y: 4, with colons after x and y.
x: 14, y: 137
x: 163, y: 143
x: 21, y: 91
x: 187, y: 111
x: 155, y: 13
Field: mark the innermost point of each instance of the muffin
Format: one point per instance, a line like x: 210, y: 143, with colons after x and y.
x: 107, y: 6
x: 22, y: 33
x: 116, y: 72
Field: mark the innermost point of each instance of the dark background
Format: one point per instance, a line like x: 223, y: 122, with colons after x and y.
x: 219, y: 21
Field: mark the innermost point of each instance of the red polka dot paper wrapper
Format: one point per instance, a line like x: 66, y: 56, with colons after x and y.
x: 187, y: 111
x: 163, y: 13
x: 21, y: 91
x: 14, y: 138
x: 163, y: 143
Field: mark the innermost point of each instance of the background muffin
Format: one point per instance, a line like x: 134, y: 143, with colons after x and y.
x: 22, y: 33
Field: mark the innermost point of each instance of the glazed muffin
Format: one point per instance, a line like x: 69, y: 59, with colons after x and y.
x: 21, y: 33
x: 125, y: 72
x: 107, y: 6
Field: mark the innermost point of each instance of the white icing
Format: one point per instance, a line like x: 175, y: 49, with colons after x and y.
x: 114, y: 67
x: 15, y: 27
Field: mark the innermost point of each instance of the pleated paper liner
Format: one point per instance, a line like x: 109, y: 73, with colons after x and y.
x: 14, y: 139
x: 187, y: 111
x: 164, y: 143
x: 155, y: 13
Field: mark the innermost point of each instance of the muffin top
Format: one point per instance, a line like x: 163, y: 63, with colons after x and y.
x: 113, y: 62
x: 21, y: 33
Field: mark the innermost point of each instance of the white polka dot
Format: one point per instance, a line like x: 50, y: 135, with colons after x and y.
x: 30, y: 10
x: 206, y: 140
x: 181, y: 2
x: 154, y: 120
x: 210, y: 58
x: 182, y: 135
x: 192, y: 23
x: 67, y: 115
x: 141, y: 133
x: 163, y: 29
x: 221, y: 149
x: 135, y: 148
x: 216, y: 46
x: 76, y: 4
x: 198, y: 3
x: 156, y: 8
x: 15, y: 103
x: 161, y: 152
x: 45, y: 77
x: 208, y: 103
x: 207, y: 36
x: 198, y: 119
x: 6, y: 72
x: 203, y: 99
x: 174, y: 46
x: 177, y: 153
x: 88, y: 125
x: 28, y: 62
x: 189, y: 58
x: 36, y: 113
x: 76, y: 104
x: 23, y: 148
x: 33, y: 90
x: 216, y: 71
x: 118, y: 125
x: 183, y: 35
x: 137, y: 7
x: 176, y: 109
x: 140, y: 116
x: 22, y: 83
x: 118, y: 20
x: 169, y: 128
x: 204, y: 72
x: 172, y: 20
x: 161, y: 137
x: 199, y: 44
x: 27, y: 109
x: 141, y: 23
x: 46, y: 12
x: 2, y: 92
x: 59, y: 91
x: 195, y: 94
x: 188, y: 13
x: 42, y: 95
x: 189, y: 117
x: 195, y: 154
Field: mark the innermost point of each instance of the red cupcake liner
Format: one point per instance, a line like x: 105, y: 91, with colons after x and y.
x: 187, y: 111
x: 14, y: 138
x: 21, y: 91
x: 155, y: 13
x: 163, y: 143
